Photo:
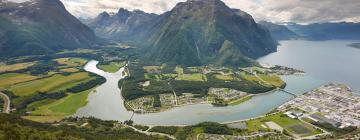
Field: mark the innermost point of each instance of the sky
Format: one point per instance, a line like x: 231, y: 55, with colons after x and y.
x: 279, y: 11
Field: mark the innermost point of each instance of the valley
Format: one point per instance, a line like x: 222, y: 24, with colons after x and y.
x: 190, y: 70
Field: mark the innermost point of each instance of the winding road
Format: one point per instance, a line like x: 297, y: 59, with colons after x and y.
x: 6, y: 108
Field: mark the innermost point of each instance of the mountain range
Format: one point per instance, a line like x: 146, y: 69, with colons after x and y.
x: 327, y: 31
x: 40, y: 27
x: 279, y: 32
x: 194, y: 32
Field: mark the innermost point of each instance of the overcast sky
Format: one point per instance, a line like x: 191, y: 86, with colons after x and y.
x: 300, y: 11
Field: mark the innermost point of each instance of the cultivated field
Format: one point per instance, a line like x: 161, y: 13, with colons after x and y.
x: 15, y: 67
x: 71, y: 62
x: 52, y: 110
x: 50, y: 84
x: 112, y: 67
x: 9, y: 79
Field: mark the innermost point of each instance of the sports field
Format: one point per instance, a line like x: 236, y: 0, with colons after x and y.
x: 294, y: 126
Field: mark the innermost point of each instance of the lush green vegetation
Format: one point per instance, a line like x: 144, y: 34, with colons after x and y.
x: 165, y: 78
x: 12, y: 127
x: 191, y: 132
x: 54, y: 110
x: 111, y: 67
x: 71, y: 62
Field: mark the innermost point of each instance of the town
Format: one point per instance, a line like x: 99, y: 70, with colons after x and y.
x: 332, y: 103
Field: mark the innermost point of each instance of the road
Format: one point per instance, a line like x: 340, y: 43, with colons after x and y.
x: 151, y: 133
x: 175, y: 97
x: 6, y: 108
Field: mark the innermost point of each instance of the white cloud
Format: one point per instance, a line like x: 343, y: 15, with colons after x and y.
x: 301, y: 11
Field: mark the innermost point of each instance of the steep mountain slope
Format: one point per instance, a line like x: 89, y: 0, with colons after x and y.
x: 327, y: 31
x: 279, y: 32
x: 197, y: 32
x: 40, y: 27
x: 123, y: 26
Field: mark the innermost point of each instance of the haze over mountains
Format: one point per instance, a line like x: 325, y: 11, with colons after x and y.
x: 40, y: 27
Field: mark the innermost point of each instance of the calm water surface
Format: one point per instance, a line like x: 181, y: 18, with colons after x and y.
x: 327, y: 60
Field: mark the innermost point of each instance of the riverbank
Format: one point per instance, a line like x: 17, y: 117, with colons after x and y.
x: 108, y: 104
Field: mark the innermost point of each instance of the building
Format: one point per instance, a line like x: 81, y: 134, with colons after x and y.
x: 322, y: 119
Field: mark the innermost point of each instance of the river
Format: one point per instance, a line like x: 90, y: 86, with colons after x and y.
x: 106, y: 103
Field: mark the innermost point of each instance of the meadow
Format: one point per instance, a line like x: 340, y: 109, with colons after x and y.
x: 53, y: 83
x: 111, y: 67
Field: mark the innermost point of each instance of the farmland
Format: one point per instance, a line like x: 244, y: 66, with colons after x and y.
x: 50, y: 110
x: 15, y: 67
x: 50, y: 84
x: 9, y: 79
x: 111, y: 67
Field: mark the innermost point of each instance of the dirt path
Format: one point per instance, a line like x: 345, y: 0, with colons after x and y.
x: 6, y: 108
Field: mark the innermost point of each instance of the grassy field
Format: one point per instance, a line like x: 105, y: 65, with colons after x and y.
x: 294, y: 126
x: 270, y: 79
x: 71, y: 62
x: 112, y: 67
x: 52, y: 110
x: 152, y: 69
x: 50, y: 84
x: 224, y: 77
x: 14, y: 67
x: 241, y: 100
x: 9, y: 79
x: 192, y: 77
x: 71, y: 70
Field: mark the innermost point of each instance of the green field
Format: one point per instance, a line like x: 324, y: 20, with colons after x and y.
x: 48, y: 110
x: 71, y: 62
x: 51, y: 84
x: 273, y: 80
x: 224, y: 77
x: 192, y: 77
x: 294, y: 126
x: 9, y: 79
x: 241, y: 100
x: 112, y: 67
x: 14, y: 67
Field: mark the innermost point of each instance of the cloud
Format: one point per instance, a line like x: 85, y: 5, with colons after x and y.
x: 300, y: 11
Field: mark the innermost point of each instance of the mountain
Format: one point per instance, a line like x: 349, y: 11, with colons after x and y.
x: 40, y: 27
x: 194, y: 32
x: 279, y: 32
x: 327, y: 31
x: 199, y: 32
x: 122, y: 26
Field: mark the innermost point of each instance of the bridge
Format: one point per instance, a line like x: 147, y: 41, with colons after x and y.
x: 288, y: 92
